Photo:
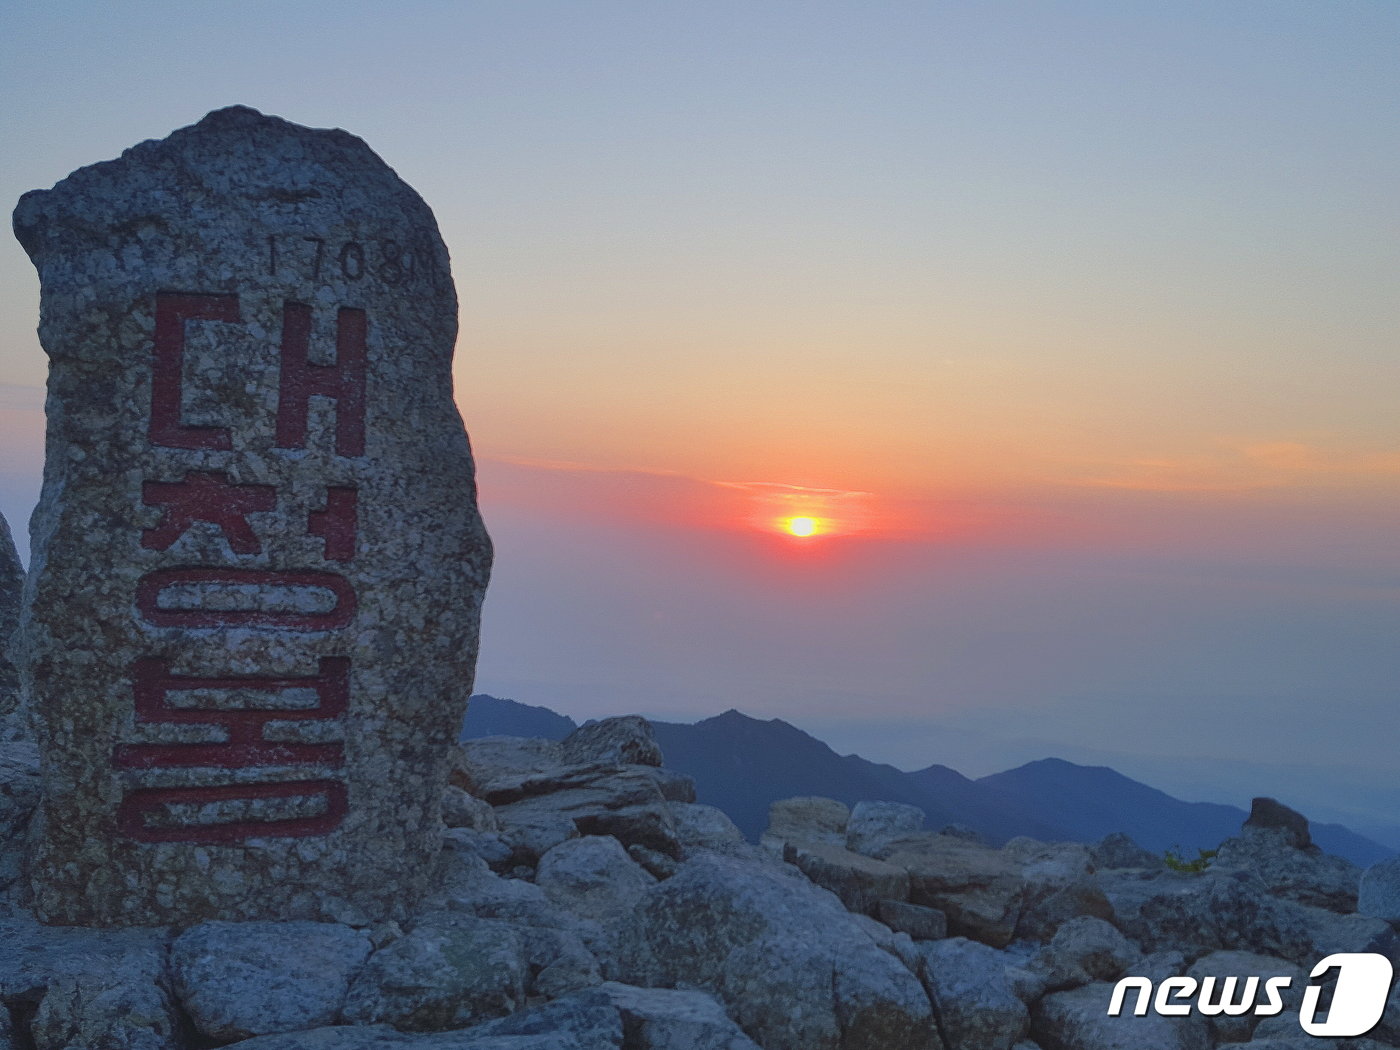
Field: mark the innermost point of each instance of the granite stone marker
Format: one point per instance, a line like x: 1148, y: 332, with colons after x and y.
x: 11, y: 585
x: 258, y: 564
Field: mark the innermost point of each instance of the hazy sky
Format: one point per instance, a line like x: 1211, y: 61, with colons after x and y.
x: 1073, y: 326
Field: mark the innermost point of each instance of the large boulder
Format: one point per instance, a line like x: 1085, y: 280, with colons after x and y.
x: 1059, y: 886
x: 979, y: 889
x: 1274, y: 815
x: 807, y: 818
x: 1379, y: 891
x: 593, y: 877
x: 973, y: 995
x: 702, y: 827
x: 12, y: 724
x: 666, y: 1019
x: 1083, y: 950
x: 1078, y: 1020
x: 88, y: 989
x: 1229, y: 973
x: 1118, y: 850
x: 20, y: 788
x: 236, y: 980
x: 1307, y: 876
x: 624, y: 741
x: 448, y: 972
x: 873, y: 825
x: 1204, y: 913
x: 794, y: 969
x: 861, y: 882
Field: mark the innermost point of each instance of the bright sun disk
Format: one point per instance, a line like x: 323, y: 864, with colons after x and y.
x: 801, y: 526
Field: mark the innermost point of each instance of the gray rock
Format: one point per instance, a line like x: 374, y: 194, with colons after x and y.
x: 593, y: 877
x: 1084, y: 950
x: 962, y: 831
x: 791, y: 966
x: 478, y: 764
x: 236, y: 980
x: 1059, y: 886
x: 359, y: 1037
x: 625, y: 741
x: 19, y: 795
x: 1379, y: 891
x: 700, y: 827
x: 1118, y: 850
x: 1220, y: 967
x: 622, y: 801
x: 94, y: 989
x: 664, y: 1019
x: 588, y: 1018
x: 1332, y: 933
x: 1204, y: 913
x: 860, y: 882
x: 450, y: 973
x: 873, y: 825
x: 1307, y: 876
x: 226, y: 513
x: 660, y: 865
x: 806, y: 819
x: 973, y: 995
x: 919, y: 922
x: 1078, y: 1020
x: 12, y: 721
x: 463, y: 810
x: 981, y: 890
x: 1271, y: 813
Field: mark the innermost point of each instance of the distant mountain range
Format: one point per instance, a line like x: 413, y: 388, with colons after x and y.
x: 741, y: 765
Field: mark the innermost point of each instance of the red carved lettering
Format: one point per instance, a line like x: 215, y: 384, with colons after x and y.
x: 206, y: 497
x: 337, y: 523
x: 212, y: 581
x: 137, y: 806
x: 342, y: 382
x: 246, y: 743
x: 173, y: 309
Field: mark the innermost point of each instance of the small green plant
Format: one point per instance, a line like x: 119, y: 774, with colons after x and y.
x: 1177, y: 862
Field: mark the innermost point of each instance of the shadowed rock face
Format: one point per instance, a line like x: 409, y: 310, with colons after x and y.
x: 258, y: 560
x: 11, y: 586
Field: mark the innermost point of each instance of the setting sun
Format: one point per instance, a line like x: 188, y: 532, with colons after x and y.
x: 801, y: 526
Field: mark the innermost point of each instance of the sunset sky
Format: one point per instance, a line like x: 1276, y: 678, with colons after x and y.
x: 1072, y: 326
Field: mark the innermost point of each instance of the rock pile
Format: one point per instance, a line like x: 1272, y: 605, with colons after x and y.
x: 583, y: 900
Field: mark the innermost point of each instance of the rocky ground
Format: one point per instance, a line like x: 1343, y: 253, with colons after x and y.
x: 584, y: 901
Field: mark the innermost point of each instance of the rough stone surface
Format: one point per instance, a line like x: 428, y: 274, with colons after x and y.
x: 806, y: 819
x: 462, y: 810
x: 1379, y: 891
x: 450, y: 972
x: 1078, y: 1020
x: 665, y: 1019
x: 704, y: 827
x: 1118, y: 850
x: 980, y: 890
x: 1271, y: 813
x: 861, y: 882
x: 19, y: 795
x: 973, y: 996
x: 258, y: 565
x: 88, y: 990
x: 12, y: 724
x: 236, y: 980
x: 593, y: 877
x: 1221, y: 966
x: 918, y: 921
x: 793, y: 968
x: 1086, y: 949
x: 623, y: 741
x: 1307, y: 876
x: 873, y: 824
